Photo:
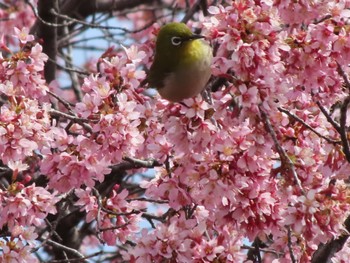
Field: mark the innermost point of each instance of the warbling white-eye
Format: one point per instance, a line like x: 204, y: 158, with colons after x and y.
x: 181, y: 66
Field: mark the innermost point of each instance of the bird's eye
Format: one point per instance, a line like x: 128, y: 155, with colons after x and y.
x: 176, y: 41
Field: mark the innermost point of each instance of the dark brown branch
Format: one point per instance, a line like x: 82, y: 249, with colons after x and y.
x: 344, y: 76
x: 325, y: 252
x: 343, y: 114
x: 128, y: 165
x: 216, y: 83
x: 137, y: 163
x: 278, y: 254
x: 48, y: 34
x: 323, y: 19
x: 162, y: 218
x: 343, y: 128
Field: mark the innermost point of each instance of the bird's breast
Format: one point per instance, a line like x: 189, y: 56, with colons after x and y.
x: 192, y: 74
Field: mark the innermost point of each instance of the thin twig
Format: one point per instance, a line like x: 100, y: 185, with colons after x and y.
x: 51, y: 233
x: 98, y: 216
x: 67, y: 116
x: 108, y: 211
x: 307, y: 126
x: 67, y: 249
x: 76, y: 259
x: 81, y: 121
x: 93, y: 25
x: 36, y: 14
x: 150, y: 218
x: 73, y: 74
x: 171, y: 212
x: 278, y: 254
x: 322, y: 19
x: 68, y: 69
x: 148, y: 200
x: 328, y: 117
x: 64, y: 102
x: 113, y: 227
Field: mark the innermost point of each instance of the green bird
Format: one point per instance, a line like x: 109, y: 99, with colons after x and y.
x: 181, y: 66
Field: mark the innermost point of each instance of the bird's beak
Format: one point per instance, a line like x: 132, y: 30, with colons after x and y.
x: 197, y: 36
x: 193, y: 37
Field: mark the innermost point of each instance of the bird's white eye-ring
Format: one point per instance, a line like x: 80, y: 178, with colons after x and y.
x: 176, y: 41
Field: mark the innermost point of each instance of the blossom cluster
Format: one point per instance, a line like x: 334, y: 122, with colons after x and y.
x: 23, y: 120
x: 23, y: 209
x: 182, y: 239
x: 118, y: 218
x: 24, y: 126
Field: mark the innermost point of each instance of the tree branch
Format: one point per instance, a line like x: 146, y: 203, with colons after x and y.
x: 325, y: 252
x: 79, y: 259
x: 328, y: 117
x: 291, y: 253
x: 285, y: 160
x: 81, y: 121
x: 343, y: 114
x: 200, y: 4
x: 67, y: 249
x: 97, y: 6
x: 343, y: 128
x: 308, y: 126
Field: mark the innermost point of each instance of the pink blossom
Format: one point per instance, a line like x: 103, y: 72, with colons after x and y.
x: 26, y: 205
x: 23, y: 35
x: 134, y: 54
x: 25, y: 129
